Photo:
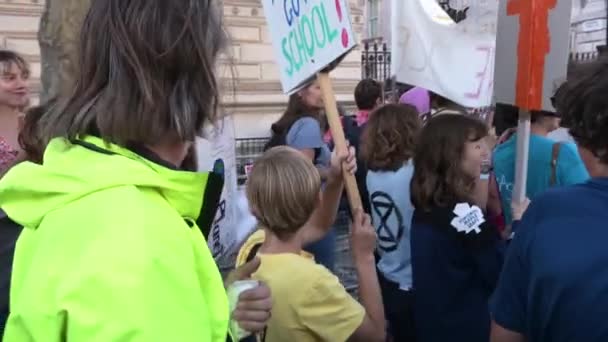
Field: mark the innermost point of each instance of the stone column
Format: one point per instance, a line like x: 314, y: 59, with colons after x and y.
x: 59, y: 37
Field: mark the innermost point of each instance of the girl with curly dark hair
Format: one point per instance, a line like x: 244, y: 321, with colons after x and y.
x: 456, y: 254
x: 388, y: 146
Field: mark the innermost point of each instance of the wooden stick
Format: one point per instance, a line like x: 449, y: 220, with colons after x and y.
x: 337, y: 132
x: 521, y: 165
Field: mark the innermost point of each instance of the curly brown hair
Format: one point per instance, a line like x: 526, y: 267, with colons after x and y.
x: 390, y: 137
x: 439, y: 179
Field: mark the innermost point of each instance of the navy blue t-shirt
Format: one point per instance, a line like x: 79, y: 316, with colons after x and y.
x: 454, y: 274
x: 554, y: 284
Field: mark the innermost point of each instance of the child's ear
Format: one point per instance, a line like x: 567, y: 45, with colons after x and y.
x: 320, y: 199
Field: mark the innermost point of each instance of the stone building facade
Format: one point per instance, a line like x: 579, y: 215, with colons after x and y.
x: 588, y: 25
x: 252, y: 90
x: 19, y: 22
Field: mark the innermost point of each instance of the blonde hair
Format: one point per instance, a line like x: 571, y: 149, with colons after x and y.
x: 283, y: 190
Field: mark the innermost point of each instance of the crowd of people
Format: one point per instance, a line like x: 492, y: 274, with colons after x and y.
x: 104, y: 216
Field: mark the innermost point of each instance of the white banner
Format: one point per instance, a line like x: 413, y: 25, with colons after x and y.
x: 233, y: 222
x: 307, y: 35
x: 430, y: 50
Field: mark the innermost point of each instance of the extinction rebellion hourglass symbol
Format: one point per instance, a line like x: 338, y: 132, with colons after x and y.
x: 390, y: 229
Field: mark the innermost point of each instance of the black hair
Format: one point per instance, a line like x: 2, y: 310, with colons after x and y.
x: 367, y: 94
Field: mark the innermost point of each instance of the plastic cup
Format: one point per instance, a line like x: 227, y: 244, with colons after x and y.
x: 234, y: 291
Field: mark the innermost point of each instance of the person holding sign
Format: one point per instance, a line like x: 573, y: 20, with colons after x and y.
x: 554, y: 281
x: 456, y: 254
x: 309, y: 39
x: 310, y: 304
x: 111, y: 249
x: 300, y: 128
x: 549, y: 163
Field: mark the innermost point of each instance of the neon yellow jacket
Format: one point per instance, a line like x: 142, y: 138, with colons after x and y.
x: 110, y: 252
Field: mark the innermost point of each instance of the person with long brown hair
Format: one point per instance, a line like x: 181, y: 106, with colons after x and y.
x: 111, y: 249
x: 456, y: 254
x: 389, y: 141
x: 300, y: 128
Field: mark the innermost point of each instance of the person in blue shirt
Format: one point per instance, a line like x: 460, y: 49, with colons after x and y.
x: 387, y: 149
x: 554, y: 285
x: 543, y: 171
x: 456, y: 253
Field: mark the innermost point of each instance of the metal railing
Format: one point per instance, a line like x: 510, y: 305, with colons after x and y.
x: 247, y: 151
x: 376, y: 61
x: 376, y: 65
x: 584, y: 57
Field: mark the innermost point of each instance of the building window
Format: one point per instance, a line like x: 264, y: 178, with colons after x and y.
x: 373, y: 9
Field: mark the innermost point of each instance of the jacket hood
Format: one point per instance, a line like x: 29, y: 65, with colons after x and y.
x: 71, y: 171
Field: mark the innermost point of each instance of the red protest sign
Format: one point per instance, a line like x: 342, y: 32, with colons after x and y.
x: 532, y: 49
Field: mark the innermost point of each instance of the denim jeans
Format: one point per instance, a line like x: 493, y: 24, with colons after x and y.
x: 324, y: 250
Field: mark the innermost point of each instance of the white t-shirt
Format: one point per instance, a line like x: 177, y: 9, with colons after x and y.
x: 561, y: 135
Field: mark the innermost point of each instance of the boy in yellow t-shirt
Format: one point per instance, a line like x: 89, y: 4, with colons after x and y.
x: 309, y: 303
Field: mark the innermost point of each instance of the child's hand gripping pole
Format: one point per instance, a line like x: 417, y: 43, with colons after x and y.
x: 337, y: 132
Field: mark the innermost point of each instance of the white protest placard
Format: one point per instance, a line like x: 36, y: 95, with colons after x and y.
x: 307, y: 35
x: 232, y: 222
x: 308, y: 38
x: 455, y: 60
x: 532, y: 51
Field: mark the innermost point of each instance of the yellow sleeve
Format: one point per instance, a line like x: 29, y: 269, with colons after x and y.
x: 328, y: 311
x: 254, y: 239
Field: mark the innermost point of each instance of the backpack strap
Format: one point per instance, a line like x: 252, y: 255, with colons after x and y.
x: 554, y: 156
x: 211, y: 200
x: 253, y: 252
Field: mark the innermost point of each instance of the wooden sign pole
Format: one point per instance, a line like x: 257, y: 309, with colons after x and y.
x: 521, y: 165
x: 337, y: 132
